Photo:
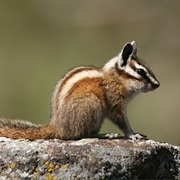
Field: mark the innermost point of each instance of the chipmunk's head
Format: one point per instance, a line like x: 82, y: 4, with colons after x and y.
x: 138, y: 77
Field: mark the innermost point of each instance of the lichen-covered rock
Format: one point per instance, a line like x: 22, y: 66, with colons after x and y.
x: 88, y: 159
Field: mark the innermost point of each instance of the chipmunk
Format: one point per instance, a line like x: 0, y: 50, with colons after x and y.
x: 86, y: 95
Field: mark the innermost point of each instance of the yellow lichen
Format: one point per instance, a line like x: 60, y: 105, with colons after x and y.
x: 35, y: 174
x: 51, y: 165
x: 57, y: 166
x: 12, y: 165
x: 46, y: 163
x: 64, y: 167
x: 36, y: 169
x: 49, y: 176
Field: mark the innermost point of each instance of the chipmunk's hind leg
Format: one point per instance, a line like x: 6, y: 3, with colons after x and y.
x: 82, y: 116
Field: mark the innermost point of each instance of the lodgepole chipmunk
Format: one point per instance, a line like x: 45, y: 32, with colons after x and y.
x: 86, y: 95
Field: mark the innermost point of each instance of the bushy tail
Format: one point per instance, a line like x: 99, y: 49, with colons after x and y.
x: 17, y: 129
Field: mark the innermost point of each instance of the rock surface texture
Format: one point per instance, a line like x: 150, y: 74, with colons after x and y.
x: 88, y: 159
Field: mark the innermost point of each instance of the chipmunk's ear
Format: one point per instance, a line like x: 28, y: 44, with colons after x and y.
x: 134, y: 45
x: 125, y: 54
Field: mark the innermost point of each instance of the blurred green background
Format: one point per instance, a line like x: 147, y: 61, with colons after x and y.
x: 40, y: 40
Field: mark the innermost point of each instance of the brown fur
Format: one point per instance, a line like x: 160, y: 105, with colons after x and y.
x: 83, y: 106
x: 87, y: 85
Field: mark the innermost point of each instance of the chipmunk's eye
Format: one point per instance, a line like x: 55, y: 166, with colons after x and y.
x: 141, y: 72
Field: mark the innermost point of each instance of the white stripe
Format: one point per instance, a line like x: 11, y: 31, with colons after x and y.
x: 130, y: 71
x: 111, y: 64
x: 75, y: 78
x: 58, y: 85
x: 152, y: 79
x: 138, y: 66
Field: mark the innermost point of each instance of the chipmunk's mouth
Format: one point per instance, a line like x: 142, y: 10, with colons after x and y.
x: 146, y: 90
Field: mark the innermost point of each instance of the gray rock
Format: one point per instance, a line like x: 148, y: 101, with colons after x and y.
x: 88, y: 159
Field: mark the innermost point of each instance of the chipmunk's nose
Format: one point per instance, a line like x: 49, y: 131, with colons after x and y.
x: 156, y: 85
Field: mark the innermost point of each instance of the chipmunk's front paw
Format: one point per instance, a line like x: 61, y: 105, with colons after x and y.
x: 138, y: 136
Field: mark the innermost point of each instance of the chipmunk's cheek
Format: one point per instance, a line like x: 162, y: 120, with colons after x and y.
x: 146, y: 88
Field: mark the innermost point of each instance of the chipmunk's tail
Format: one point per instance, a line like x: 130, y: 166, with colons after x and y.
x: 17, y: 129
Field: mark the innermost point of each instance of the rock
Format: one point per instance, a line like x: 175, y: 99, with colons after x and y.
x: 88, y: 159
